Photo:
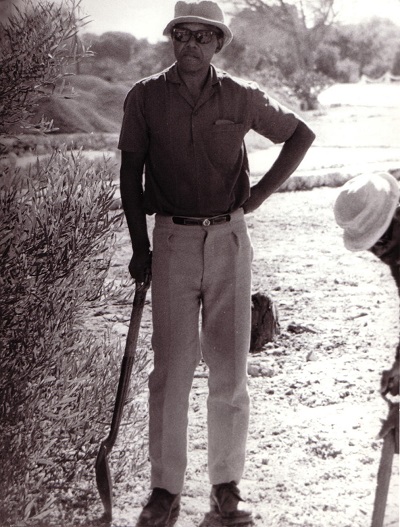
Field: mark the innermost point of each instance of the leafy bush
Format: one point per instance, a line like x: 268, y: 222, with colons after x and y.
x: 57, y: 230
x: 307, y: 86
x: 59, y: 379
x: 38, y: 42
x: 347, y: 71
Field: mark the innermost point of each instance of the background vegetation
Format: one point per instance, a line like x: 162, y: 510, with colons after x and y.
x: 293, y: 50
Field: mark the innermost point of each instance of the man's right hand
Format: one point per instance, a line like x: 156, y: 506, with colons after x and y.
x: 140, y: 266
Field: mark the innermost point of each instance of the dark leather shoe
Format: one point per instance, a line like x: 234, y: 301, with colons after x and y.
x: 162, y: 509
x: 226, y: 501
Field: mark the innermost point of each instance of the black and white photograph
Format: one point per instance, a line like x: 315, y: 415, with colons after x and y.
x: 199, y: 263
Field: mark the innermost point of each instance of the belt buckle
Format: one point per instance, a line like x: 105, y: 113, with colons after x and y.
x: 206, y: 222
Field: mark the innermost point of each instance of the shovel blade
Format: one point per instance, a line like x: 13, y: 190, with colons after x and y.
x: 104, y: 484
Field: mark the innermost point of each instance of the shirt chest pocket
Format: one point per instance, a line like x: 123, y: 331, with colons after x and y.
x: 223, y: 143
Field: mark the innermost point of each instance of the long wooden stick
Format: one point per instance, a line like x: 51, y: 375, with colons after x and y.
x: 383, y: 480
x: 390, y: 434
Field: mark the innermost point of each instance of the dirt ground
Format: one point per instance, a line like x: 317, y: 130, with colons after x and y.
x: 313, y: 452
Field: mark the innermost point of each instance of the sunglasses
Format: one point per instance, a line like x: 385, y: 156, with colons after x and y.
x: 203, y: 36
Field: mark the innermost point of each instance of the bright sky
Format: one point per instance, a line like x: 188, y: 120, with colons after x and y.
x: 147, y: 18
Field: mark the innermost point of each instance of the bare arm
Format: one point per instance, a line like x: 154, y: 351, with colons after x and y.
x: 131, y: 175
x: 289, y: 158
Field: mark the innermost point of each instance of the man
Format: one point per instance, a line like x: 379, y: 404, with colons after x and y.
x: 185, y: 126
x: 368, y: 210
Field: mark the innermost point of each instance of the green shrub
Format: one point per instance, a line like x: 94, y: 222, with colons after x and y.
x: 38, y: 42
x: 59, y: 379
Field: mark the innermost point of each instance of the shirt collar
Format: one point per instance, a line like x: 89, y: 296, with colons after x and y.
x: 172, y: 75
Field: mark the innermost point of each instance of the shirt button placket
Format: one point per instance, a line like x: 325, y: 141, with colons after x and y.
x: 194, y: 143
x: 193, y: 125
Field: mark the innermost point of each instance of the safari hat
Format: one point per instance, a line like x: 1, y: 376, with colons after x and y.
x: 204, y: 12
x: 365, y: 207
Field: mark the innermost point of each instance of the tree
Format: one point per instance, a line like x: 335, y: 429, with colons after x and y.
x: 303, y: 23
x: 122, y: 57
x: 372, y: 45
x: 328, y: 56
x: 286, y: 36
x: 116, y: 45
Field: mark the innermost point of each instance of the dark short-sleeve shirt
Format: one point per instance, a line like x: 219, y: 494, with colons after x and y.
x: 195, y: 157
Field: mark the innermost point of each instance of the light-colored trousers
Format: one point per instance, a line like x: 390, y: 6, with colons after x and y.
x: 200, y: 270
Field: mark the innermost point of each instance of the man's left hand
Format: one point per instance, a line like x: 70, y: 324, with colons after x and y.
x: 256, y: 199
x: 390, y: 380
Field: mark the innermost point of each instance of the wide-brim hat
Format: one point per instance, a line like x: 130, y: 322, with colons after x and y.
x: 205, y: 12
x: 365, y: 207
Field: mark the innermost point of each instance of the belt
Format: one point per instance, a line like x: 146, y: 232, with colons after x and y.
x: 205, y: 222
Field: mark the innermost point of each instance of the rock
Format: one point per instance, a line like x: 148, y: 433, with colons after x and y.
x: 264, y: 321
x: 120, y: 328
x: 254, y: 370
x: 267, y: 372
x: 299, y: 328
x: 311, y: 356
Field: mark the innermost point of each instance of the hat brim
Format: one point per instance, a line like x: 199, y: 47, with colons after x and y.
x: 228, y: 35
x: 368, y: 239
